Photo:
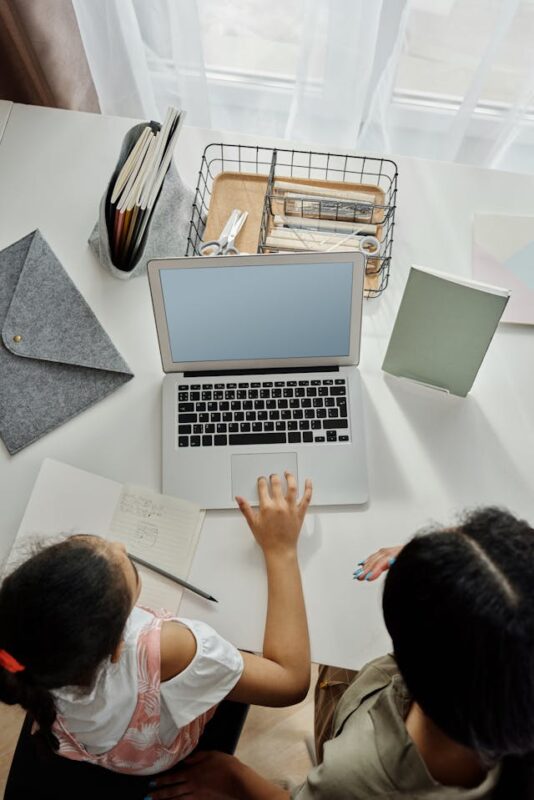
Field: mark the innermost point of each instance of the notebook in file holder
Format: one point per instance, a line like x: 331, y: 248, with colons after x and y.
x: 260, y: 354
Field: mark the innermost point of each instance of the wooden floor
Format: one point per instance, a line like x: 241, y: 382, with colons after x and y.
x: 273, y: 739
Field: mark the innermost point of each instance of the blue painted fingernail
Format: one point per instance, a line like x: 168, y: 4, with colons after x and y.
x: 392, y: 561
x: 358, y: 572
x: 368, y: 576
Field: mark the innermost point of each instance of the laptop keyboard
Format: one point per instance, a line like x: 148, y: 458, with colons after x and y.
x: 263, y: 412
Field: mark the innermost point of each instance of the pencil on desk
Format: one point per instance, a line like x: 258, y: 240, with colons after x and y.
x: 171, y: 577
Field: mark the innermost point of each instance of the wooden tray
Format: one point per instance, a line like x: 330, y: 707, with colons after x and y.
x: 247, y: 192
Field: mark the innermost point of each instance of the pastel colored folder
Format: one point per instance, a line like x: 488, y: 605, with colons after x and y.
x: 443, y: 329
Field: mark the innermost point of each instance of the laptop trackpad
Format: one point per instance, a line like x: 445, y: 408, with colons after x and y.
x: 246, y: 469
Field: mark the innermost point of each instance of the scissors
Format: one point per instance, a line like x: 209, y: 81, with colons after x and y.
x: 225, y: 244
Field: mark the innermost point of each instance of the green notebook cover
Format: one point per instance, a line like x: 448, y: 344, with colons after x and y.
x: 443, y: 328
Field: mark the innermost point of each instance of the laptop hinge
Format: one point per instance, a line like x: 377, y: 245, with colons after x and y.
x: 275, y: 371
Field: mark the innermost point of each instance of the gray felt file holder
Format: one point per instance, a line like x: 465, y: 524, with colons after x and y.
x: 166, y: 233
x: 56, y: 360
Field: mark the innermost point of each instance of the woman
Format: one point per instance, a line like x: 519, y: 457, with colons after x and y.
x: 453, y: 705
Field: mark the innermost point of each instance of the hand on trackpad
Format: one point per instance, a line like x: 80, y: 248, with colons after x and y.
x: 246, y: 469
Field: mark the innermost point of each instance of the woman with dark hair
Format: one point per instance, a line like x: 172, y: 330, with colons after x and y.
x: 445, y: 715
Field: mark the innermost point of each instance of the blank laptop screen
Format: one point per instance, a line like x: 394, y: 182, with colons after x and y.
x: 258, y: 312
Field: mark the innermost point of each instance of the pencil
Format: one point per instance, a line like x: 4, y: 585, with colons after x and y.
x: 171, y: 577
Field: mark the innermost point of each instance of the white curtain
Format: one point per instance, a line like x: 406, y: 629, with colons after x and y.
x: 448, y: 79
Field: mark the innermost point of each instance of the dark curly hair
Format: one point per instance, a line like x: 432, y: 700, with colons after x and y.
x: 62, y: 612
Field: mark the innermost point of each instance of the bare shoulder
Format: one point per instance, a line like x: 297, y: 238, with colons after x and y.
x: 177, y: 649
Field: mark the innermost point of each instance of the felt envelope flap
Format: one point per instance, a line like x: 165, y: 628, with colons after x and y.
x: 47, y: 317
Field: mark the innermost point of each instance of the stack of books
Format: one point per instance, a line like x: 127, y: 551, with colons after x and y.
x: 137, y: 187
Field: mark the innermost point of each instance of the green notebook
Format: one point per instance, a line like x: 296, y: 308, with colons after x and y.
x: 443, y: 328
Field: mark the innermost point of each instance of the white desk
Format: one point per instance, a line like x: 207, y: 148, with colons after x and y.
x: 429, y: 454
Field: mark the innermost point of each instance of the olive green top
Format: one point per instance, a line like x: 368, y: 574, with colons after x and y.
x: 371, y: 754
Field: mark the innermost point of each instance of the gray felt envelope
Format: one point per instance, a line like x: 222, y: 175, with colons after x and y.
x: 55, y: 358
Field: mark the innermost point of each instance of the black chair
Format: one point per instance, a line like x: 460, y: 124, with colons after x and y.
x: 37, y: 773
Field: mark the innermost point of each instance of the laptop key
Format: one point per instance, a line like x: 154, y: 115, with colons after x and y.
x: 292, y: 425
x: 294, y: 438
x: 267, y: 384
x: 255, y: 385
x: 253, y: 394
x: 288, y: 392
x: 194, y: 441
x: 183, y: 441
x: 185, y: 407
x: 183, y: 396
x: 197, y: 428
x: 330, y: 401
x: 259, y: 405
x: 315, y: 423
x: 298, y: 413
x: 331, y: 436
x: 333, y: 412
x: 304, y: 424
x: 257, y: 438
x: 227, y: 416
x: 309, y: 413
x: 335, y: 423
x: 317, y: 402
x: 224, y: 405
x: 322, y: 390
x: 219, y: 386
x: 213, y: 406
x: 337, y: 390
x: 256, y: 427
x: 205, y: 417
x: 319, y: 438
x: 233, y: 427
x: 339, y: 382
x: 187, y: 419
x: 307, y: 436
x: 207, y: 441
x: 285, y: 413
x: 215, y: 417
x: 239, y: 416
x: 244, y: 427
x: 320, y: 413
x: 304, y: 383
x: 311, y: 392
x: 263, y: 415
x: 342, y: 438
x: 300, y: 391
x: 183, y: 387
x: 210, y: 428
x: 242, y: 385
x: 206, y: 395
x: 265, y: 393
x: 283, y: 403
x: 247, y: 405
x: 194, y: 396
x: 315, y: 382
x: 268, y: 426
x: 183, y: 430
x: 231, y: 385
x: 280, y: 425
x: 220, y: 439
x: 250, y: 416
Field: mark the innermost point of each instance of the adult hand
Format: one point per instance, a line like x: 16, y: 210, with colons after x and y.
x: 203, y: 776
x: 377, y: 563
x: 277, y: 522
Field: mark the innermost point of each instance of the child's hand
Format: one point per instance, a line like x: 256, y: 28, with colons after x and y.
x: 277, y: 522
x: 376, y: 564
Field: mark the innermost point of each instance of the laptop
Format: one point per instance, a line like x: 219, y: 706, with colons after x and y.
x: 260, y: 354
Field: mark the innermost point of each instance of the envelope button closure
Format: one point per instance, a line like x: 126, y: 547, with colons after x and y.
x: 17, y: 338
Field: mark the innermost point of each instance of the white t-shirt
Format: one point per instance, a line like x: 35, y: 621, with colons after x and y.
x: 98, y: 717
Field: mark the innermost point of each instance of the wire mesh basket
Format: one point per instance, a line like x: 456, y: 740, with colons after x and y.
x: 247, y: 177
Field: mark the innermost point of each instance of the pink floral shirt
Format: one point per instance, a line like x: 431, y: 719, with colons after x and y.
x: 140, y: 750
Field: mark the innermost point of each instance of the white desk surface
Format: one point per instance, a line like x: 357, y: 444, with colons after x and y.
x: 429, y: 454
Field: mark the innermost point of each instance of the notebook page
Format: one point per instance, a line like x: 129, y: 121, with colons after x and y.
x: 162, y: 530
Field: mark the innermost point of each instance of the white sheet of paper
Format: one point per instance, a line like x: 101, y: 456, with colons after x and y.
x: 66, y: 500
x: 159, y: 529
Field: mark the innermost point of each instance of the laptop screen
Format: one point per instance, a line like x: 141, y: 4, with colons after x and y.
x: 273, y: 311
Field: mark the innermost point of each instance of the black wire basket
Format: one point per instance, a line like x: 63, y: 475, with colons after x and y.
x: 275, y: 164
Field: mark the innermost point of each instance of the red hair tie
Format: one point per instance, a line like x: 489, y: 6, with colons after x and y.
x: 9, y: 662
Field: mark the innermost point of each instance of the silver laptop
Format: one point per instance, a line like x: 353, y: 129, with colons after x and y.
x: 260, y: 354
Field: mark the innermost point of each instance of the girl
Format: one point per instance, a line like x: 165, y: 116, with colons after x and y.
x: 131, y: 689
x: 449, y: 715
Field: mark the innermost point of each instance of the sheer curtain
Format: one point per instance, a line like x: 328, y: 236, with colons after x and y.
x: 448, y: 79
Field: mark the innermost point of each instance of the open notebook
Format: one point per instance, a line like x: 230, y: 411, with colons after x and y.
x: 161, y: 530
